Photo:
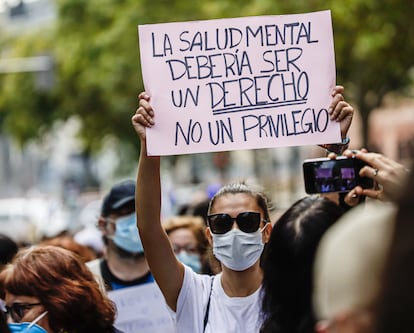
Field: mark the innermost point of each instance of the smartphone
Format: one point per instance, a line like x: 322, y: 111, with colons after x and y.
x: 323, y: 175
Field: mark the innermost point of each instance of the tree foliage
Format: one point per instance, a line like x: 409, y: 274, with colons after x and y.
x: 25, y: 110
x: 97, y: 71
x: 374, y: 52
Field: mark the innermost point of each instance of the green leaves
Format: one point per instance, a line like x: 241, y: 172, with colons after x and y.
x: 97, y: 71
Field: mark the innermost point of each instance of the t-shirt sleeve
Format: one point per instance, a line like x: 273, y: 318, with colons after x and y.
x: 192, y: 301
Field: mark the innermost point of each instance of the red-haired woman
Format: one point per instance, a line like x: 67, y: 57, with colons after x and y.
x: 52, y: 287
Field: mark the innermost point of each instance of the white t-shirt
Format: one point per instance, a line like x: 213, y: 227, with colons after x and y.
x: 226, y: 314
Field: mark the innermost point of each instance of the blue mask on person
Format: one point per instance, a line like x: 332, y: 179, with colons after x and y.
x: 28, y: 327
x: 126, y: 234
x: 191, y: 260
x: 25, y: 328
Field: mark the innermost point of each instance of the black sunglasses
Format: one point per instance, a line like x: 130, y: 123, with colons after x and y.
x: 221, y: 223
x: 17, y: 310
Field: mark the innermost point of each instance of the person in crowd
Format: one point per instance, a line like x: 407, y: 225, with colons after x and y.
x: 67, y: 242
x: 348, y: 282
x: 288, y: 261
x: 8, y: 249
x: 189, y: 242
x: 348, y: 269
x: 290, y: 251
x: 238, y: 228
x: 124, y: 263
x: 394, y: 310
x: 49, y: 289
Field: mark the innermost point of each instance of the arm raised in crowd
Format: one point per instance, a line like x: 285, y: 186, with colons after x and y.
x: 167, y: 270
x: 340, y: 111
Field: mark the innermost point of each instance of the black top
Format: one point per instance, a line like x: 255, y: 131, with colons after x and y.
x: 113, y: 283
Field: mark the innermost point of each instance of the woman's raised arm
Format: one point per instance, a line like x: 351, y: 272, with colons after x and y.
x: 167, y: 270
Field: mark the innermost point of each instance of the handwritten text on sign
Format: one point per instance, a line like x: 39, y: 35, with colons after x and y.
x: 241, y: 83
x: 142, y: 309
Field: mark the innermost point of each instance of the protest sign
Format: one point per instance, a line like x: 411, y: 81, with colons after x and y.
x: 239, y: 83
x: 141, y: 309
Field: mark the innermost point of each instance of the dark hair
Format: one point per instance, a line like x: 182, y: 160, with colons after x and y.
x: 287, y: 265
x: 394, y: 311
x: 64, y: 285
x: 236, y: 188
x: 8, y: 248
x: 4, y: 328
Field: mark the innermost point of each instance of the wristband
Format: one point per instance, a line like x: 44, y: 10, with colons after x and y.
x: 337, y: 148
x: 345, y: 141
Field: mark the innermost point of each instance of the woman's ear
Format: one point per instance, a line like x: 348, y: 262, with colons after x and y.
x: 101, y: 224
x: 267, y: 232
x: 208, y: 235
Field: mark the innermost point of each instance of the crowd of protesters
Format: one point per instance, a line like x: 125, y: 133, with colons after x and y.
x: 323, y: 265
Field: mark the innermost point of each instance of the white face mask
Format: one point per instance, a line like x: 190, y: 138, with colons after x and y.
x: 238, y: 250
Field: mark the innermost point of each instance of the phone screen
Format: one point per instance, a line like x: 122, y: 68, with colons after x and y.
x: 341, y: 175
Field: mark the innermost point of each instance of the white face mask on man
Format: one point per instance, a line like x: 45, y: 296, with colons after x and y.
x: 238, y: 250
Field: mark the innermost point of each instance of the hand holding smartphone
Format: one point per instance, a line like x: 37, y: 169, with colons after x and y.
x: 324, y: 175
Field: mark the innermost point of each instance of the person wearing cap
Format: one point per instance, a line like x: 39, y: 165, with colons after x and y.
x: 123, y: 264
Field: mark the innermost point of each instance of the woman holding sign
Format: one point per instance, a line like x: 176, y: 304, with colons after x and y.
x: 238, y: 228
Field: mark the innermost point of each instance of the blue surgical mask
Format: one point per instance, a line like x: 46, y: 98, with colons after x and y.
x: 126, y: 234
x: 192, y: 260
x: 25, y: 328
x: 28, y: 327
